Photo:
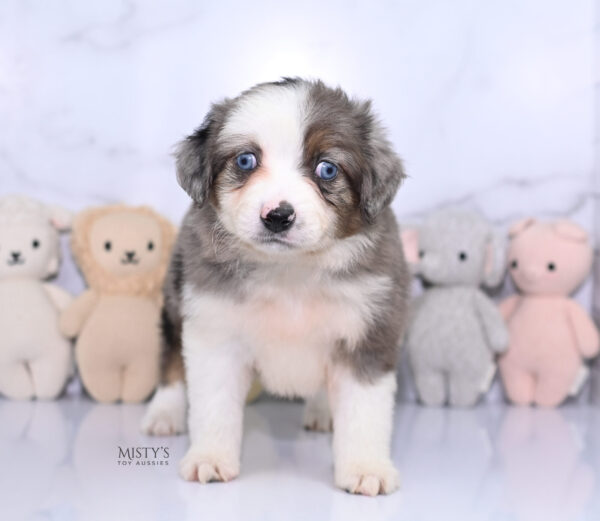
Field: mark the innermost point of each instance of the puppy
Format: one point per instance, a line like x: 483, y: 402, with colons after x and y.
x: 289, y: 265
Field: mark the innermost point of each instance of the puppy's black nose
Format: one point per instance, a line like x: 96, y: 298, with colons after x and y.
x: 130, y: 255
x: 15, y: 255
x: 279, y: 219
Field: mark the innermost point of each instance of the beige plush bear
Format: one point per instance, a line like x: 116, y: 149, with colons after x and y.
x: 123, y: 253
x: 35, y: 359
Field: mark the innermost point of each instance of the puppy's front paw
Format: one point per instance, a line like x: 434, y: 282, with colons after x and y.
x: 369, y: 479
x: 200, y: 466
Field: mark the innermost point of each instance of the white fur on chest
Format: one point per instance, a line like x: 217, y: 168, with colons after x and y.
x: 287, y: 326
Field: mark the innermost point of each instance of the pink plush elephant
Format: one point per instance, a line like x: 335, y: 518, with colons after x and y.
x: 550, y: 334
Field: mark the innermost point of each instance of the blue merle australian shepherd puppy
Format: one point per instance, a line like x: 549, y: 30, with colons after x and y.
x: 288, y: 266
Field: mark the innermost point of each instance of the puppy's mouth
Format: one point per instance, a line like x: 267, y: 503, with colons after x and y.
x: 276, y: 240
x: 130, y: 260
x: 15, y: 262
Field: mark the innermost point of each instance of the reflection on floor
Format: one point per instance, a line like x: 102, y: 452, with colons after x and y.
x: 69, y: 460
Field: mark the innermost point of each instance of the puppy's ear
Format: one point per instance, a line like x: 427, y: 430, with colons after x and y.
x: 382, y: 178
x: 193, y: 164
x: 194, y: 156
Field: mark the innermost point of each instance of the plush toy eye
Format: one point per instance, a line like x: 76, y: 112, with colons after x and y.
x: 326, y: 171
x: 108, y: 245
x: 514, y: 264
x: 551, y: 266
x: 35, y: 243
x: 462, y: 256
x: 421, y: 254
x: 246, y: 161
x: 150, y: 245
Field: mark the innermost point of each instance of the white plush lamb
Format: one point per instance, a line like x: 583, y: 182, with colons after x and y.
x: 35, y: 359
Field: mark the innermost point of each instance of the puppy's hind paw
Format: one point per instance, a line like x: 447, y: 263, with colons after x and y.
x: 317, y: 414
x: 162, y: 423
x: 204, y: 468
x: 166, y: 413
x: 368, y: 479
x: 317, y: 419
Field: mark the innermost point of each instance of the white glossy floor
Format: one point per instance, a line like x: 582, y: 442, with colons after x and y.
x: 59, y: 461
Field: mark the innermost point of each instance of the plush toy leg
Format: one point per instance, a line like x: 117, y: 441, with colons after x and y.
x: 51, y: 371
x: 140, y: 378
x: 255, y: 391
x: 464, y: 389
x: 431, y: 387
x: 15, y: 381
x: 552, y: 388
x: 103, y: 384
x: 518, y: 384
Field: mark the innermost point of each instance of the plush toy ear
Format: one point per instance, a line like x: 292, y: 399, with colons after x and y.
x: 60, y: 218
x: 495, y: 260
x: 570, y: 230
x: 519, y: 226
x: 410, y: 245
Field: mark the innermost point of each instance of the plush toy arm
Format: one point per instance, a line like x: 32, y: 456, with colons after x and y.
x: 492, y: 323
x: 508, y: 306
x: 73, y: 318
x: 59, y: 296
x: 584, y: 330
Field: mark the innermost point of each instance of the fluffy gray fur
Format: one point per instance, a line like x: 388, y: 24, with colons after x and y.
x: 455, y: 329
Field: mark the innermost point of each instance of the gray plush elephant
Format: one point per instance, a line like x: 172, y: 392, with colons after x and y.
x: 455, y: 329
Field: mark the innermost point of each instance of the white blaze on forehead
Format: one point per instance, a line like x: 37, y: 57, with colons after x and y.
x: 273, y: 117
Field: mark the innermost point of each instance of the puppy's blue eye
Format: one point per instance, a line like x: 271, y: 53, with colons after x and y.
x: 246, y: 161
x: 326, y: 170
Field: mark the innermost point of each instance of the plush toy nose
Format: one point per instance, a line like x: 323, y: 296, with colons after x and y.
x: 130, y: 255
x: 15, y: 255
x: 278, y: 219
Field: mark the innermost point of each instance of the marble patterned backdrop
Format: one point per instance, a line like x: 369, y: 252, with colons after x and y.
x: 491, y: 104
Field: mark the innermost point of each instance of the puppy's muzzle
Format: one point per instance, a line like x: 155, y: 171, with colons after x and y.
x: 278, y: 219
